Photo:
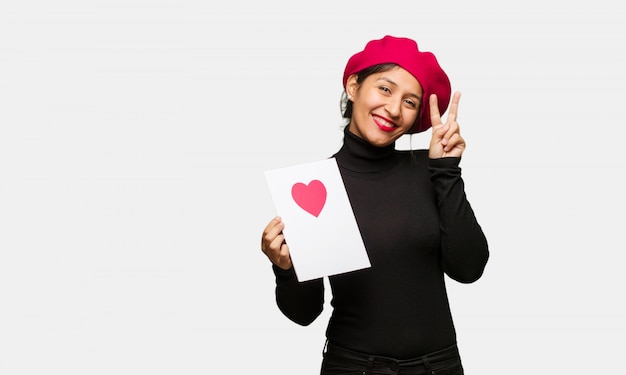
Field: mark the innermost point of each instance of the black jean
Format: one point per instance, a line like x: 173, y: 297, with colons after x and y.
x: 341, y: 361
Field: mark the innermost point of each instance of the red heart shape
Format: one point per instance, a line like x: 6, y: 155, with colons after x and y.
x: 311, y: 197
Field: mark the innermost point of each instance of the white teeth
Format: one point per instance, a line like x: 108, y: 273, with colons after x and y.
x: 385, y: 123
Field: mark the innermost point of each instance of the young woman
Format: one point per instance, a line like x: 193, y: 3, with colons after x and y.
x: 413, y: 215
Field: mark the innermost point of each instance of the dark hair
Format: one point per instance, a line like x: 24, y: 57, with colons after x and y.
x: 345, y: 104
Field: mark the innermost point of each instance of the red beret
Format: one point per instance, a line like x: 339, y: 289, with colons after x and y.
x: 422, y: 65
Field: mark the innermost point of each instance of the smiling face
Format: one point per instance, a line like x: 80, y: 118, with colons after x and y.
x: 385, y: 105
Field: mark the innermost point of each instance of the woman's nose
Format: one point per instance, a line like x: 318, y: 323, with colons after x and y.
x: 393, y: 107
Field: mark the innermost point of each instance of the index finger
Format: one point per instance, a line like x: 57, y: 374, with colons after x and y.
x: 454, y: 107
x: 270, y: 230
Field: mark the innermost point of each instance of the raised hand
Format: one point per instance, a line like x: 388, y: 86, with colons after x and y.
x: 273, y: 244
x: 446, y: 138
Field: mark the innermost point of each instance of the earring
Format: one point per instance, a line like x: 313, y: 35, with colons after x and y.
x: 349, y: 97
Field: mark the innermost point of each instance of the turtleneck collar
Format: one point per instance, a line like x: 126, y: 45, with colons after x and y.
x: 358, y: 155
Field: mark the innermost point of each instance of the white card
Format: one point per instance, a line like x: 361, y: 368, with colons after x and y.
x: 320, y: 227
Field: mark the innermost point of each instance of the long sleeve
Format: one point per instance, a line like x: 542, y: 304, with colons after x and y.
x: 301, y: 302
x: 463, y: 243
x: 417, y: 226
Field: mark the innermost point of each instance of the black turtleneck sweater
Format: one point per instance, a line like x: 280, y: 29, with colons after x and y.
x: 416, y: 224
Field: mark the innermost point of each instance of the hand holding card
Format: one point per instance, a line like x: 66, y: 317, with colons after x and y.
x: 274, y: 246
x: 320, y: 227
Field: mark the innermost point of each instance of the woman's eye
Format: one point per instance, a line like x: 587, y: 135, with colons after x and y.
x: 411, y: 103
x: 385, y: 89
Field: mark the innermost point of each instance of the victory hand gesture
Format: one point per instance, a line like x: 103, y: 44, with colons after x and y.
x: 446, y: 139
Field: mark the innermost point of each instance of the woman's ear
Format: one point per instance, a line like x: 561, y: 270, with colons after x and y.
x: 351, y: 86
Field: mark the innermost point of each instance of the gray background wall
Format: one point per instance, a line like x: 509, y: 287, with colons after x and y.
x: 133, y: 140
